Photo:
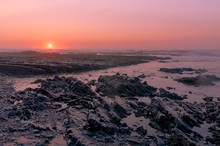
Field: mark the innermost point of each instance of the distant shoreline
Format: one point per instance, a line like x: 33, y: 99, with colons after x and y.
x: 29, y: 63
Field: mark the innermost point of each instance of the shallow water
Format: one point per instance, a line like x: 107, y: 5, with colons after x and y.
x: 135, y: 122
x: 203, y: 130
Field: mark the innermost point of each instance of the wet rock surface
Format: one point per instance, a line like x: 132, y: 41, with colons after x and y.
x: 182, y: 70
x: 199, y: 80
x: 165, y: 93
x: 122, y: 85
x: 66, y: 111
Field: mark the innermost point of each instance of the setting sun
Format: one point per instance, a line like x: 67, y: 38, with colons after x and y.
x: 50, y: 46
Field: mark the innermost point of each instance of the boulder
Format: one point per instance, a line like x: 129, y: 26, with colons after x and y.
x: 208, y: 99
x: 165, y: 93
x: 199, y: 80
x: 176, y: 70
x: 181, y: 138
x: 121, y: 111
x: 122, y: 85
x: 140, y: 130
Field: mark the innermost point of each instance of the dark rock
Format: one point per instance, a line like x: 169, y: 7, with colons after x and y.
x: 141, y: 112
x: 109, y: 128
x: 134, y: 141
x: 161, y: 118
x: 109, y: 139
x: 133, y: 105
x: 87, y: 104
x: 164, y: 114
x: 190, y: 120
x: 25, y: 114
x: 140, y: 130
x: 87, y: 119
x: 182, y: 138
x: 123, y: 86
x: 2, y: 120
x: 210, y: 139
x: 115, y: 118
x: 142, y: 76
x: 74, y: 141
x: 170, y: 88
x: 199, y: 80
x: 165, y: 77
x: 165, y: 93
x: 125, y: 130
x: 91, y: 83
x: 180, y: 124
x: 41, y: 98
x: 14, y: 113
x: 94, y: 123
x: 182, y: 70
x: 32, y: 104
x: 176, y: 70
x: 122, y: 112
x: 64, y: 85
x: 200, y: 71
x: 213, y: 115
x: 160, y: 141
x: 80, y: 88
x: 45, y: 92
x: 208, y: 99
x: 104, y: 104
x: 39, y: 81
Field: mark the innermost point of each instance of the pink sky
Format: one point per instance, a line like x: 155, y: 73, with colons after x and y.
x: 112, y: 24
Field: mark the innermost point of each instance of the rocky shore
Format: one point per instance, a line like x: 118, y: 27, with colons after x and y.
x: 182, y: 70
x: 200, y: 79
x: 29, y: 63
x: 67, y: 111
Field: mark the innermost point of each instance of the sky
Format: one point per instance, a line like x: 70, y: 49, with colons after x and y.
x: 110, y: 24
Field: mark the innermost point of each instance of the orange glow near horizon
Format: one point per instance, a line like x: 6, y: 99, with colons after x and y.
x: 116, y: 24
